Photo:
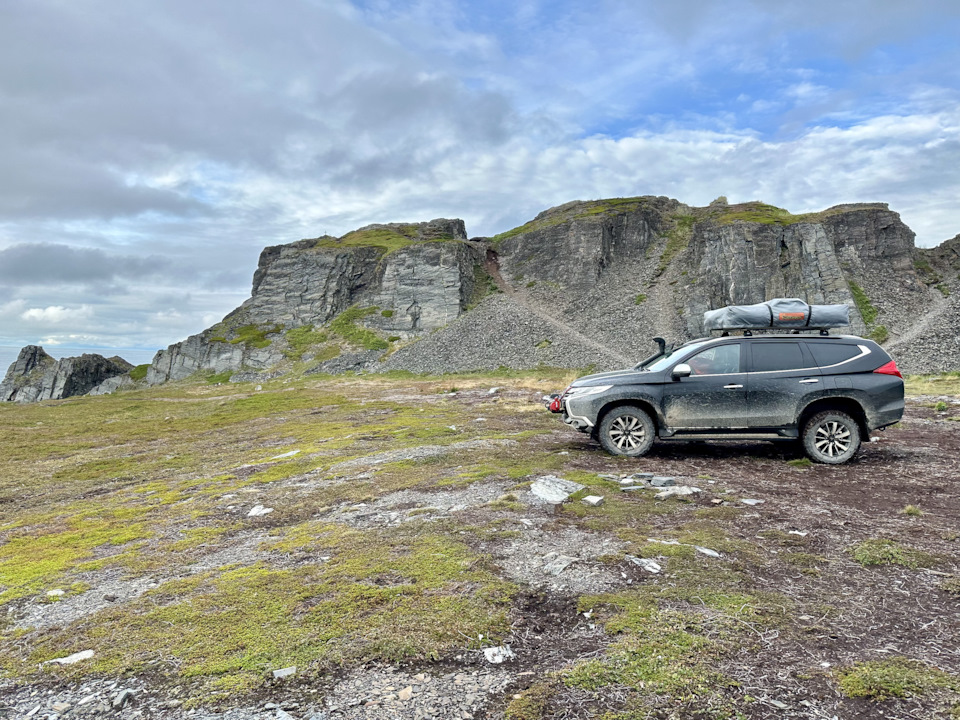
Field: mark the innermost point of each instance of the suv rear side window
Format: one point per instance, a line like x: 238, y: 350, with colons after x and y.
x: 772, y: 356
x: 832, y: 353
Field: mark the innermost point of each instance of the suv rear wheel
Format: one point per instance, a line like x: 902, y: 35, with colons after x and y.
x: 831, y: 437
x: 627, y: 430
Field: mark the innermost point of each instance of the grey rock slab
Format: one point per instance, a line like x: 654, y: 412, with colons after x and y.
x: 677, y: 491
x: 259, y: 511
x: 651, y: 566
x: 749, y: 501
x: 706, y: 551
x: 285, y: 672
x: 121, y: 697
x: 286, y: 455
x: 553, y: 489
x: 593, y: 500
x: 634, y: 488
x: 72, y: 659
x: 556, y: 564
x: 663, y: 481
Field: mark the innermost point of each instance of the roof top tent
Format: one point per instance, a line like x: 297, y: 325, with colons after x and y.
x: 780, y: 314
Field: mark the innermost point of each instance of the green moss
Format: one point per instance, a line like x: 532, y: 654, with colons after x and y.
x: 220, y: 378
x: 678, y: 237
x: 301, y: 339
x: 897, y: 677
x: 387, y: 239
x: 879, y: 334
x: 951, y: 585
x: 345, y: 325
x: 578, y: 211
x: 640, y: 299
x: 139, y: 372
x: 532, y: 703
x: 944, y: 289
x: 544, y: 344
x: 251, y: 335
x: 879, y: 551
x: 387, y: 313
x: 866, y: 309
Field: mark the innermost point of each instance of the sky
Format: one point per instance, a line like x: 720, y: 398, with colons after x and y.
x: 149, y: 150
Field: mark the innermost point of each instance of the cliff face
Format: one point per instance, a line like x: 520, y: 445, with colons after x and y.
x: 404, y: 279
x: 37, y: 376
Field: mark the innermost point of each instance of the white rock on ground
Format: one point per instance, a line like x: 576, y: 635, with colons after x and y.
x: 496, y: 655
x: 71, y: 659
x: 258, y: 510
x: 677, y: 491
x: 593, y: 500
x: 553, y: 489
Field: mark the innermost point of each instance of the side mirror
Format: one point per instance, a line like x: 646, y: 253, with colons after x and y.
x: 681, y: 371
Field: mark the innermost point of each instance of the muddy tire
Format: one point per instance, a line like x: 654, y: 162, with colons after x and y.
x: 831, y: 437
x: 626, y: 430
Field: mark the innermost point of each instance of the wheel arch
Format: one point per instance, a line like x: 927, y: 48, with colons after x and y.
x: 843, y: 404
x: 644, y: 405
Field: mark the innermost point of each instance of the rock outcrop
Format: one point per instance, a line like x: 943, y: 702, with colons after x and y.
x: 400, y: 280
x: 37, y: 376
x: 584, y: 284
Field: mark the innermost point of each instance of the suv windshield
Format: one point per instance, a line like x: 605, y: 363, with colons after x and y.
x: 667, y: 360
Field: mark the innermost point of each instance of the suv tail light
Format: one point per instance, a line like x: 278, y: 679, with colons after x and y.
x: 889, y: 369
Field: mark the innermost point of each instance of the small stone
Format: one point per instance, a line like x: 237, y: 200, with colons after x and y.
x: 778, y: 705
x: 706, y: 551
x: 405, y: 694
x: 120, y: 700
x: 286, y: 455
x: 633, y: 482
x: 284, y: 715
x: 56, y: 593
x: 258, y: 510
x: 493, y: 390
x: 677, y: 491
x: 651, y: 566
x: 60, y: 707
x: 717, y: 501
x: 71, y: 659
x: 87, y: 700
x: 593, y: 500
x: 496, y: 655
x: 285, y: 672
x: 34, y: 711
x: 270, y: 706
x: 633, y: 488
x: 801, y: 533
x: 748, y: 501
x: 110, y: 598
x: 558, y: 563
x: 662, y: 481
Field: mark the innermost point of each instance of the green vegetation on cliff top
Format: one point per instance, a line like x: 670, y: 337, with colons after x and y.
x: 389, y: 239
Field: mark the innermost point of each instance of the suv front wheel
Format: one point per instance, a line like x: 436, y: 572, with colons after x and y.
x: 627, y: 430
x: 831, y: 437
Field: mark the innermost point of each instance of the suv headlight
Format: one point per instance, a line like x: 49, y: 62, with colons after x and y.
x: 578, y: 392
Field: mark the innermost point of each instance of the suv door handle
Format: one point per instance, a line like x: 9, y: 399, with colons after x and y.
x: 732, y: 387
x: 809, y: 380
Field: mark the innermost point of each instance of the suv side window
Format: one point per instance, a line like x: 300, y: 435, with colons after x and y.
x: 832, y: 353
x: 773, y: 356
x: 717, y: 360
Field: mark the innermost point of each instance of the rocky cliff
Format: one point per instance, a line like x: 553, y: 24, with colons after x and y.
x: 37, y: 376
x: 582, y: 284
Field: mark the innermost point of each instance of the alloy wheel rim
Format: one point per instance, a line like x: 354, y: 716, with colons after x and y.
x: 627, y: 432
x: 832, y: 439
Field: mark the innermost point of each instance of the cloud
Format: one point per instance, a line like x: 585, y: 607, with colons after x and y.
x: 152, y: 149
x: 57, y: 315
x: 31, y: 263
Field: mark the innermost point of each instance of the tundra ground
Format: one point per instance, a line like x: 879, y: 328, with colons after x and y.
x: 379, y: 534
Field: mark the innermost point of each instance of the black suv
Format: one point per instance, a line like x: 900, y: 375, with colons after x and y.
x: 828, y: 391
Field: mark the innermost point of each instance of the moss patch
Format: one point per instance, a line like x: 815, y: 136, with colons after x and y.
x: 894, y: 678
x: 880, y: 551
x: 345, y: 325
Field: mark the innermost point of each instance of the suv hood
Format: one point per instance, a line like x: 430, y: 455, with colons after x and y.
x: 628, y: 376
